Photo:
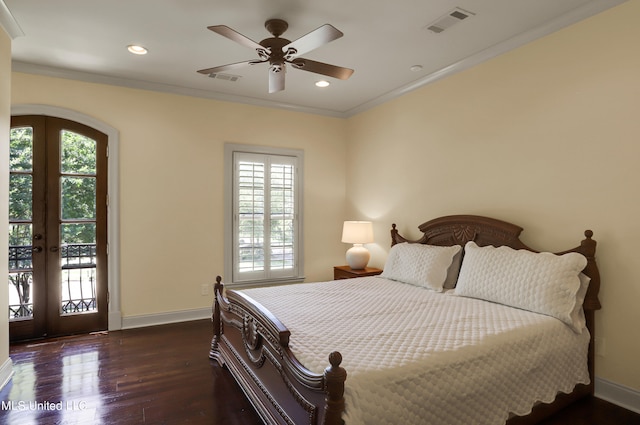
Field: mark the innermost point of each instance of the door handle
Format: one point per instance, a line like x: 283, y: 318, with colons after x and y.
x: 54, y: 249
x: 36, y: 249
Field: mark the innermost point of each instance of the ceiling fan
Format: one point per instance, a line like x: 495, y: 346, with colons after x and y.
x: 279, y: 51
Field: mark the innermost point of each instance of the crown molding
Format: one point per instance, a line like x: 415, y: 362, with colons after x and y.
x: 9, y: 23
x: 50, y: 71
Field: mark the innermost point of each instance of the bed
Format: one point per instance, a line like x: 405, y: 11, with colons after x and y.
x: 387, y: 349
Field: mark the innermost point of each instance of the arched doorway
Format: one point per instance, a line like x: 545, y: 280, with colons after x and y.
x: 59, y: 281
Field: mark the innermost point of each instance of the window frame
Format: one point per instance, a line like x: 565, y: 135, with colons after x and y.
x: 231, y: 221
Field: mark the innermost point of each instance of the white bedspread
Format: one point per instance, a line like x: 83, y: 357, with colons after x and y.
x: 414, y: 356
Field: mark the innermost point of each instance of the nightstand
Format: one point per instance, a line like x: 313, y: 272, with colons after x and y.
x: 346, y: 272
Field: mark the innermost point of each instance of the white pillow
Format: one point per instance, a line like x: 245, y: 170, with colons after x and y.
x: 420, y: 265
x: 543, y: 282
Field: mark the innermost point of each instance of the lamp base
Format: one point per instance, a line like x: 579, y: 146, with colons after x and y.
x: 358, y: 257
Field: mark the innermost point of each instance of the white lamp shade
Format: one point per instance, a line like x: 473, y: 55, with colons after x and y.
x: 357, y: 232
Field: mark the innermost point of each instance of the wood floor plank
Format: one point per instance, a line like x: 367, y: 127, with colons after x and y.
x: 158, y: 375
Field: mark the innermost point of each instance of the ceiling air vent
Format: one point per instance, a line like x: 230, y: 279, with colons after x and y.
x: 448, y: 20
x: 227, y: 77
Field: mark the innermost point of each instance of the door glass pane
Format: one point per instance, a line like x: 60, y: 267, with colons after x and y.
x: 20, y: 246
x: 21, y: 149
x: 20, y: 272
x: 78, y: 262
x: 78, y: 233
x: 78, y: 197
x: 20, y: 196
x: 78, y: 290
x: 78, y: 154
x: 20, y: 295
x: 78, y: 244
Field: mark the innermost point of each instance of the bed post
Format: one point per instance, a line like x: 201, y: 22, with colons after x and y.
x: 588, y: 249
x: 591, y: 301
x: 334, y: 377
x: 214, y: 353
x: 394, y: 234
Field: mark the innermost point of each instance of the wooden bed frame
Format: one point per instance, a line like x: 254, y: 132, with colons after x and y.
x: 254, y: 345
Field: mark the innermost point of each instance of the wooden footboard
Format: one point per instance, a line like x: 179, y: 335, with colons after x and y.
x: 279, y: 387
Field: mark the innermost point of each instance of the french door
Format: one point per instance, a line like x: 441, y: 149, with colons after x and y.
x: 57, y: 228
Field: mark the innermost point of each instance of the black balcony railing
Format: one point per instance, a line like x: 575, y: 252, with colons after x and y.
x: 20, y: 257
x: 78, y: 282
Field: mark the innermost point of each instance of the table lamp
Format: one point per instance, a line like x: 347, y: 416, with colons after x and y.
x: 357, y: 233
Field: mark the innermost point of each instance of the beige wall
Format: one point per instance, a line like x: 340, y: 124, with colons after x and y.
x: 5, y: 115
x: 171, y: 188
x: 547, y: 137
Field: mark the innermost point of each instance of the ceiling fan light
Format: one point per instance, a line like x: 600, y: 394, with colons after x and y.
x: 322, y: 83
x: 137, y: 50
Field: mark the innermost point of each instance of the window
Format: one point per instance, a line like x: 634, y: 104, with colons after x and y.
x: 263, y: 215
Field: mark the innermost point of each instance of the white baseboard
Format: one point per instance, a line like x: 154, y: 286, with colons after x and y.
x: 165, y: 318
x: 617, y: 394
x: 6, y: 372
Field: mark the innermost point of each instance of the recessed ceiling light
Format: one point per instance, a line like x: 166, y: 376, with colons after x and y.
x: 322, y: 83
x: 137, y: 50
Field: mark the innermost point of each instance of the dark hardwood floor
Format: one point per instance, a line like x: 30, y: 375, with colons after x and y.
x: 158, y: 375
x: 154, y: 375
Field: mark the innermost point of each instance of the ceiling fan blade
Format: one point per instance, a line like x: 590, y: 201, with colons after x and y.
x: 314, y: 39
x: 322, y: 68
x: 235, y: 36
x: 228, y: 67
x: 276, y: 80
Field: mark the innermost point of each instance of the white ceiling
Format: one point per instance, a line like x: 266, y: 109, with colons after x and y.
x: 87, y: 40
